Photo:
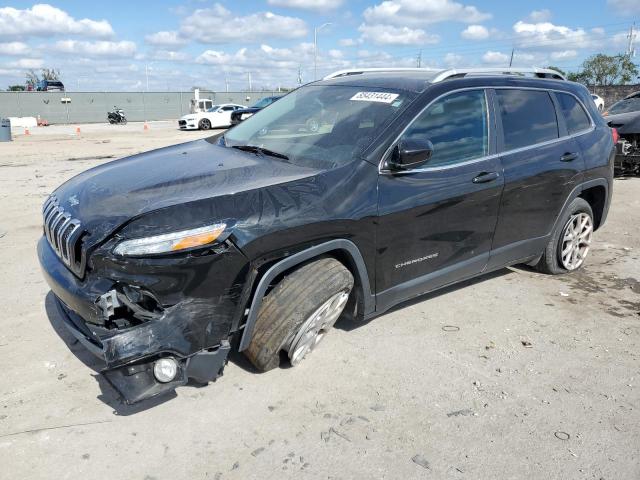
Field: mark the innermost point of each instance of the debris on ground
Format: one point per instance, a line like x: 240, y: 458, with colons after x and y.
x: 420, y: 460
x: 451, y: 328
x: 460, y: 413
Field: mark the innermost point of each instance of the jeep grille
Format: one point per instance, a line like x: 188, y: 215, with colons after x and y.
x: 64, y: 234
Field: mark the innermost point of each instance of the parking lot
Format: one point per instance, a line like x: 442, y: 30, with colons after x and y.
x: 513, y: 375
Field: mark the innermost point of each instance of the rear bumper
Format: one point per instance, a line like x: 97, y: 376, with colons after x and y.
x: 129, y: 354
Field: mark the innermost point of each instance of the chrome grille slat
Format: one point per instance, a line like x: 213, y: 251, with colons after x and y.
x: 63, y: 232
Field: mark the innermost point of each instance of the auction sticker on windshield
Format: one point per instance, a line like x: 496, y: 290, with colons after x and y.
x: 382, y: 97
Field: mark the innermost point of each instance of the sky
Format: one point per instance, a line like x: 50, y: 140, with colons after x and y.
x: 168, y: 45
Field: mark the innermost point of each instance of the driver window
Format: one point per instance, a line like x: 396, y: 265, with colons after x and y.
x: 457, y: 125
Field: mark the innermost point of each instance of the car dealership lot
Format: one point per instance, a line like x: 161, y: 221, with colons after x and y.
x: 515, y: 375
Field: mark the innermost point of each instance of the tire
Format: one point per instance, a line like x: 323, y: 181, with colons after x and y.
x: 552, y: 261
x: 205, y: 124
x: 288, y: 318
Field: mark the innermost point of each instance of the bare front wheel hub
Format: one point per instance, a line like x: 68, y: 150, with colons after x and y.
x: 315, y: 327
x: 576, y: 240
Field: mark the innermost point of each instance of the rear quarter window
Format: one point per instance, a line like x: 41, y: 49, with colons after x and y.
x: 528, y: 117
x: 574, y: 115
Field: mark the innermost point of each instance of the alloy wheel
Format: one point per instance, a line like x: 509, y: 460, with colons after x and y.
x: 576, y: 241
x: 315, y: 327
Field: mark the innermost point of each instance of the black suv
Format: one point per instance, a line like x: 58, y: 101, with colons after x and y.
x: 345, y: 197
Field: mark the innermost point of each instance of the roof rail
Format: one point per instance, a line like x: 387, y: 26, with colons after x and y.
x: 463, y: 72
x: 358, y: 71
x: 456, y: 72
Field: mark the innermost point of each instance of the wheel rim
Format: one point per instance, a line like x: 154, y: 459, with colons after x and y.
x: 315, y: 327
x: 206, y: 124
x: 576, y: 240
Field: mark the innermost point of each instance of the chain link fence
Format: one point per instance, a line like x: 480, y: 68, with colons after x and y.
x: 92, y: 107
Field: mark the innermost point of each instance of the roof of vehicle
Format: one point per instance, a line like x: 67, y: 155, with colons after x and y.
x: 418, y: 79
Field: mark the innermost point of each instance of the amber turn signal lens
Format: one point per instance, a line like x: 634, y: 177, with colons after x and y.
x: 197, y: 240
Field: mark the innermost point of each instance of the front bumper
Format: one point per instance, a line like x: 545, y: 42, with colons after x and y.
x: 186, y: 332
x: 188, y: 125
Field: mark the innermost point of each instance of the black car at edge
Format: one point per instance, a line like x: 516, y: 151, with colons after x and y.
x: 244, y: 113
x: 345, y: 198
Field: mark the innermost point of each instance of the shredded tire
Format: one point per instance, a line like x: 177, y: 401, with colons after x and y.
x: 289, y: 304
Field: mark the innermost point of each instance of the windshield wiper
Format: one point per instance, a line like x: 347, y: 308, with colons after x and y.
x: 264, y: 151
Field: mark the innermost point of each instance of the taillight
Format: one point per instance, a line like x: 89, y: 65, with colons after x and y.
x: 615, y: 135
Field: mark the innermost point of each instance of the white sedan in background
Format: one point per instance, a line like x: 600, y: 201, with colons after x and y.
x: 599, y: 101
x: 216, y: 117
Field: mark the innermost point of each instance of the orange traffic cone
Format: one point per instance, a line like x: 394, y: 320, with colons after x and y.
x: 26, y: 131
x: 146, y: 127
x: 77, y: 130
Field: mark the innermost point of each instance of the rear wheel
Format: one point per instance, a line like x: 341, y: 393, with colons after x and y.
x: 571, y: 240
x: 205, y: 124
x: 298, y: 313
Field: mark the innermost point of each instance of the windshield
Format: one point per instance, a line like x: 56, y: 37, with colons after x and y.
x: 625, y: 106
x: 264, y: 102
x: 321, y: 126
x: 214, y: 108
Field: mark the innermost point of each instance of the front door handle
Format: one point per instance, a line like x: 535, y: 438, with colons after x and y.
x: 485, y: 177
x: 569, y: 157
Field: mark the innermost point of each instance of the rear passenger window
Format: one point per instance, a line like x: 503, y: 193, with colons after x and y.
x: 456, y: 125
x: 528, y: 117
x: 575, y: 116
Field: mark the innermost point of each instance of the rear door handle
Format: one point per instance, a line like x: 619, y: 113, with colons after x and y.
x: 569, y: 157
x: 485, y: 177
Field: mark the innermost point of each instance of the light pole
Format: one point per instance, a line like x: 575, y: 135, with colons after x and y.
x: 315, y: 48
x: 146, y: 72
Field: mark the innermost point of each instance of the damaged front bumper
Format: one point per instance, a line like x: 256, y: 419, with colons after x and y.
x: 136, y: 381
x: 194, y: 332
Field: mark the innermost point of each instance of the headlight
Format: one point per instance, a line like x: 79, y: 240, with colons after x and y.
x: 170, y: 242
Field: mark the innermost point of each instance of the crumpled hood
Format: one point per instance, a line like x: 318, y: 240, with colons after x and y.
x: 624, y: 122
x: 105, y: 197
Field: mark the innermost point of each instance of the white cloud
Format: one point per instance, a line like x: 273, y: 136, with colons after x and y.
x: 14, y: 48
x: 166, y: 39
x: 546, y: 35
x: 27, y: 63
x: 170, y: 56
x: 421, y: 12
x: 96, y: 49
x: 43, y: 20
x: 452, y: 59
x: 495, y: 57
x: 537, y: 16
x: 307, y: 4
x: 475, y: 32
x: 564, y: 55
x: 624, y: 7
x: 390, y: 35
x: 218, y: 25
x: 266, y: 57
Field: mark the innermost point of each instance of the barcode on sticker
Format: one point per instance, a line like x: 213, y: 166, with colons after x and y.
x: 382, y: 97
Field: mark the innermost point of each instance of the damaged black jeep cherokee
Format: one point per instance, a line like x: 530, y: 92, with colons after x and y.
x: 346, y: 197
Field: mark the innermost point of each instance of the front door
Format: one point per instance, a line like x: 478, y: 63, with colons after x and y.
x: 436, y: 222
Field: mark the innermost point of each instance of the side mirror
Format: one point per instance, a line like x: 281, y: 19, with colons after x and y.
x: 410, y: 153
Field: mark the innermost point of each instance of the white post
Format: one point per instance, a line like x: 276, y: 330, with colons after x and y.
x: 315, y: 48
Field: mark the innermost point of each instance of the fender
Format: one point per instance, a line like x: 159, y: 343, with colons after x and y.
x: 287, y: 263
x: 575, y: 193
